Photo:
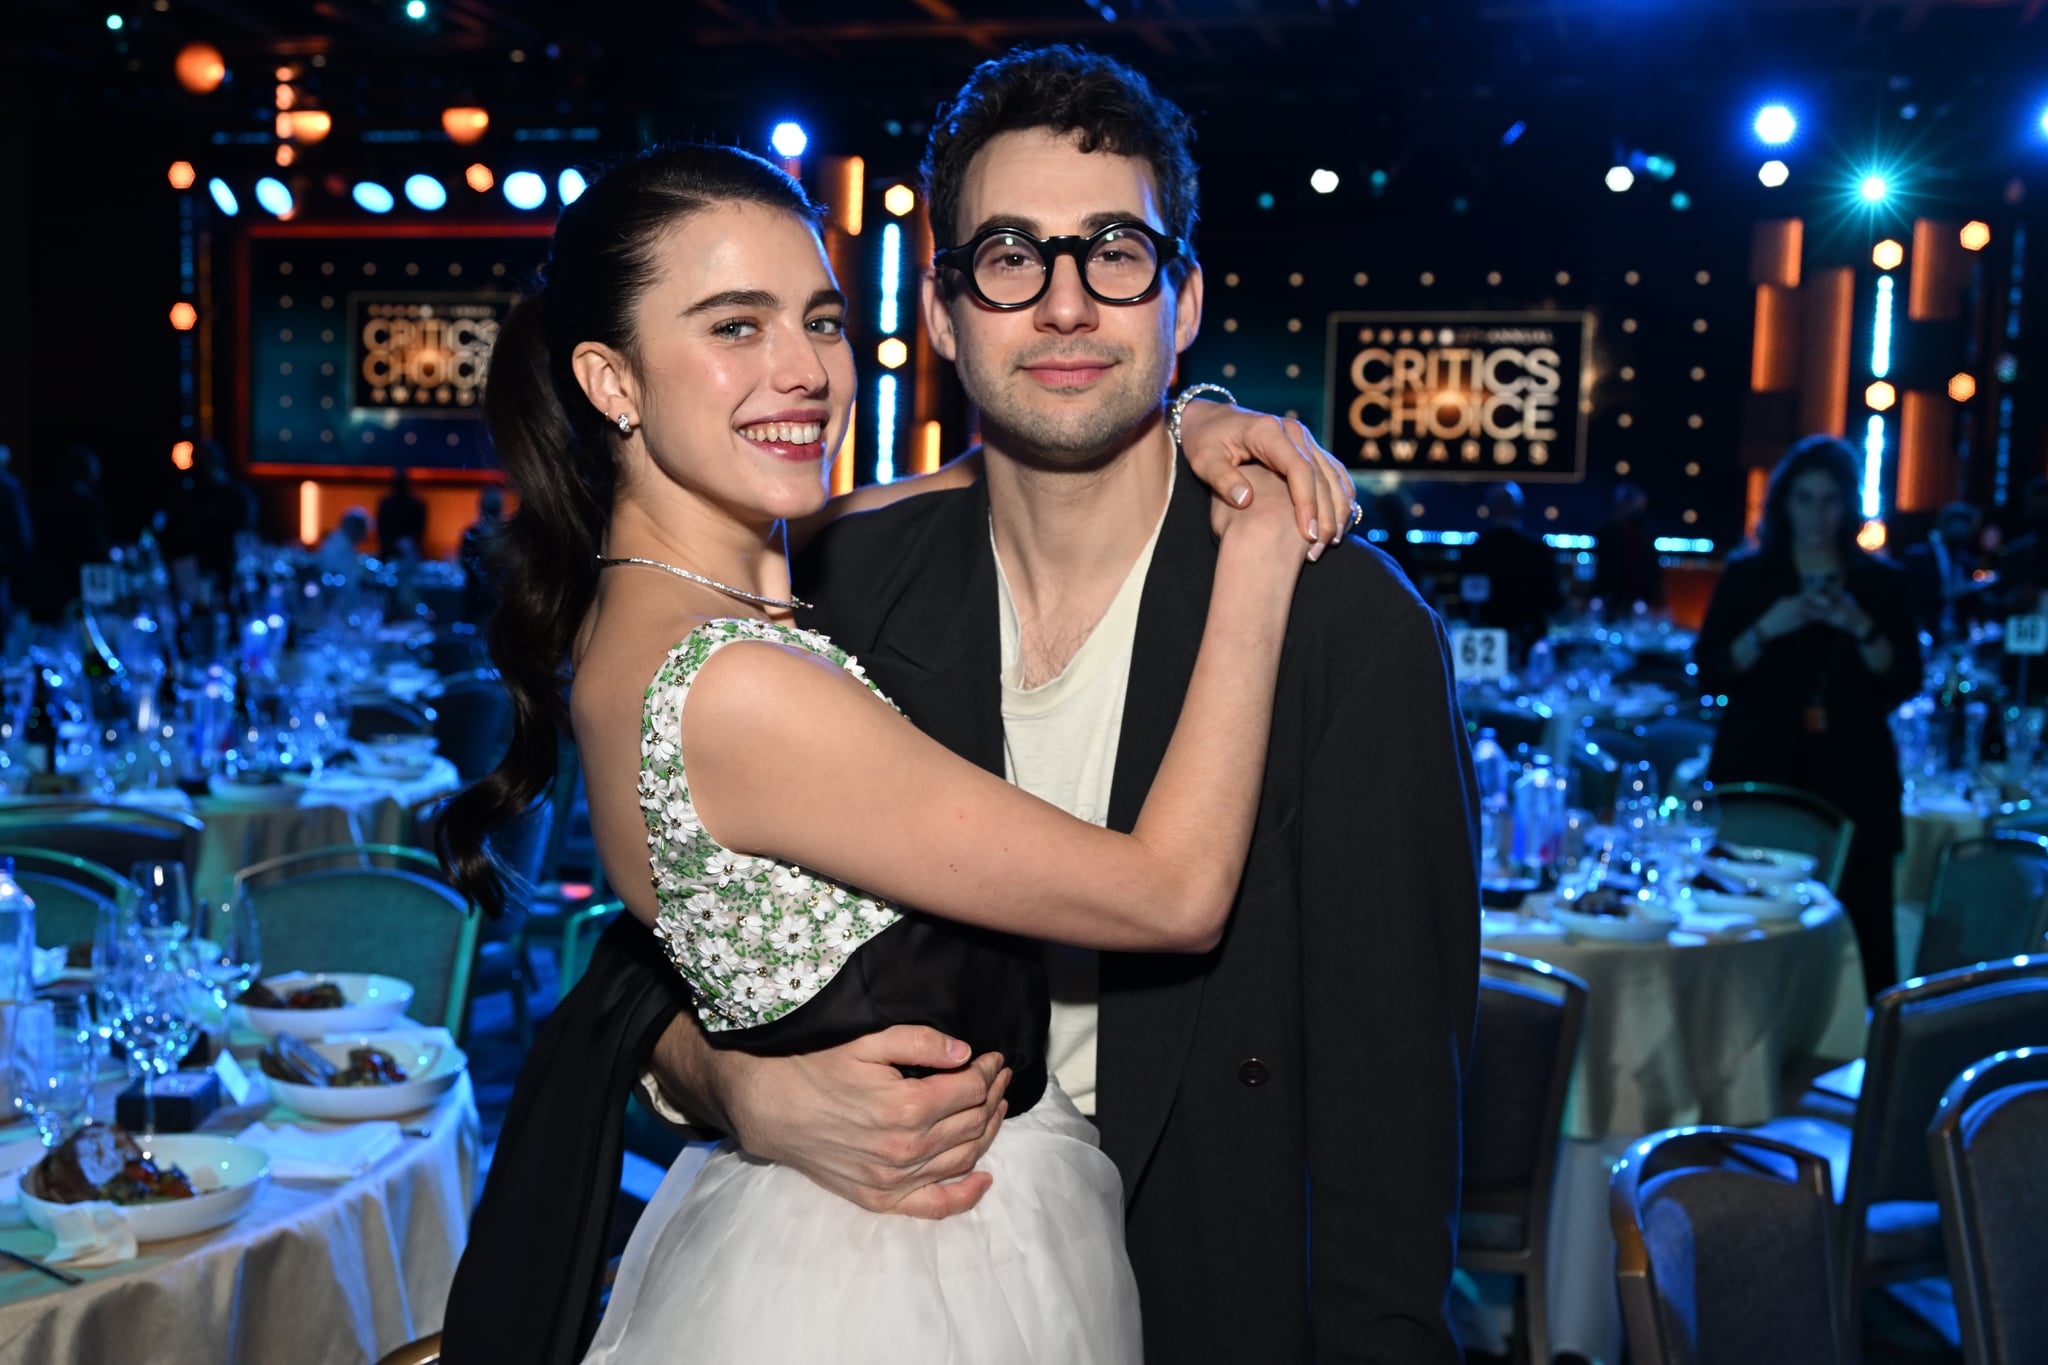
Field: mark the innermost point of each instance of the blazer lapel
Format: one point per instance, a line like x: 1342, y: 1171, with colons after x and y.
x: 1149, y: 1002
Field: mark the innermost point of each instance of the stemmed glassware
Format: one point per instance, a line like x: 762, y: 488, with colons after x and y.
x: 53, y: 1060
x: 163, y: 903
x: 228, y: 954
x: 159, y: 1005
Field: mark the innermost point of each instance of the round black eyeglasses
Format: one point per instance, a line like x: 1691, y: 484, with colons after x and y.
x: 1008, y: 268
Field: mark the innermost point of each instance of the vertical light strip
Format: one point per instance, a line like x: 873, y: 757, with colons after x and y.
x: 892, y: 277
x: 309, y: 512
x: 885, y: 428
x: 851, y: 195
x: 1873, y: 467
x: 1881, y: 330
x: 842, y: 468
x: 928, y: 449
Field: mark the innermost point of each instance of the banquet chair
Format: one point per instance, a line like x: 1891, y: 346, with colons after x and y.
x: 2022, y: 817
x: 368, y: 908
x: 1530, y: 1017
x: 1672, y: 740
x: 1721, y: 1251
x: 113, y: 836
x: 1765, y: 815
x: 580, y: 932
x: 1990, y: 900
x: 1597, y: 775
x: 456, y: 648
x: 471, y: 717
x: 1989, y: 1146
x: 1512, y: 723
x: 1923, y: 1033
x: 425, y: 1351
x: 69, y: 892
x: 374, y: 718
x: 503, y: 962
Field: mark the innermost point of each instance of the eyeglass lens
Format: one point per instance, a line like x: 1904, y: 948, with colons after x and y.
x: 1119, y: 265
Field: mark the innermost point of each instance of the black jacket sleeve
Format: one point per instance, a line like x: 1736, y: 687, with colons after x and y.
x: 1390, y: 967
x: 527, y: 1288
x: 1737, y: 602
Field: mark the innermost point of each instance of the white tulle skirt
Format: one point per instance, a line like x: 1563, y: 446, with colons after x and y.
x: 739, y: 1260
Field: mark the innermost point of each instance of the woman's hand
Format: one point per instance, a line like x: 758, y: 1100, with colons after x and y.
x: 1786, y: 615
x: 1845, y: 614
x: 1219, y: 440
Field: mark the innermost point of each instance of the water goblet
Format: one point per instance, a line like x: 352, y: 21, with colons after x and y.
x: 53, y: 1062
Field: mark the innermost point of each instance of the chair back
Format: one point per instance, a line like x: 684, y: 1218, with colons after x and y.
x: 1989, y: 1146
x: 425, y: 1351
x: 456, y: 647
x: 1530, y: 1017
x: 1923, y: 1034
x: 376, y: 717
x: 1722, y: 1250
x: 112, y: 836
x: 1512, y: 723
x: 580, y: 932
x: 472, y: 720
x: 2026, y: 816
x: 368, y: 908
x: 1990, y: 900
x: 1764, y: 815
x: 1598, y: 775
x: 70, y: 893
x: 520, y: 848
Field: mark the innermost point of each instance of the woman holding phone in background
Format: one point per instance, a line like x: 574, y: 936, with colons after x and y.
x: 1812, y: 641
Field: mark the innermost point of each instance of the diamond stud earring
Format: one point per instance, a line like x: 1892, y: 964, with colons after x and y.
x: 625, y: 424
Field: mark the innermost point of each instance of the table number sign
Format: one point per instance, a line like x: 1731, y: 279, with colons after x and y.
x: 1479, y: 655
x: 2026, y: 635
x: 99, y: 584
x: 1475, y: 587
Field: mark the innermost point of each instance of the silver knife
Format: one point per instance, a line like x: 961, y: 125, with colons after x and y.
x: 31, y: 1263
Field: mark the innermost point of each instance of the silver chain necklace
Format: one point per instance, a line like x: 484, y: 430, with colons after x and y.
x: 742, y: 593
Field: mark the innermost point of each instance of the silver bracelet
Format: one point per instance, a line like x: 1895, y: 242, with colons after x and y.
x: 1187, y: 396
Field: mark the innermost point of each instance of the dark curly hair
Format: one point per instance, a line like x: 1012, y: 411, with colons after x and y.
x: 1829, y: 455
x: 558, y: 455
x: 1066, y: 90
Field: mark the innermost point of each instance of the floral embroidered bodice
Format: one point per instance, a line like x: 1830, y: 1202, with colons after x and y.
x: 753, y: 937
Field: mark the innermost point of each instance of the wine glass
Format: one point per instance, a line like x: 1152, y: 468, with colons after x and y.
x: 1635, y: 806
x: 229, y: 954
x: 53, y: 1060
x: 163, y: 905
x: 158, y: 1020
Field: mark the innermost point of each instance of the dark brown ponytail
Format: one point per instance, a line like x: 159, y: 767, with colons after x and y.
x: 557, y: 454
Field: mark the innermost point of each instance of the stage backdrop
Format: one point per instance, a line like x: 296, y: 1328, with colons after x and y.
x: 1459, y: 395
x: 368, y: 347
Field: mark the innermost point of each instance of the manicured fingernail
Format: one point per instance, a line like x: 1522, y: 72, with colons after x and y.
x: 1316, y: 553
x: 1241, y: 495
x: 1312, y: 533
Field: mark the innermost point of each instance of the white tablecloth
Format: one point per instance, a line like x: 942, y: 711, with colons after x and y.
x: 311, y: 1274
x: 1689, y: 1029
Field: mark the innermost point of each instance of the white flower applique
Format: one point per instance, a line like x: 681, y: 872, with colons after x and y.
x: 755, y: 939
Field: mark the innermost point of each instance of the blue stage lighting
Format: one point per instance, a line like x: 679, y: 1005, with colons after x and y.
x: 892, y: 279
x: 2044, y: 122
x: 1775, y: 124
x: 1874, y: 189
x: 570, y: 184
x: 425, y: 192
x: 1873, y: 467
x: 1881, y: 330
x: 885, y: 429
x: 1515, y: 130
x: 1680, y: 200
x: 415, y: 10
x: 370, y: 195
x: 273, y: 196
x: 223, y: 197
x: 525, y: 190
x: 114, y: 22
x: 789, y: 140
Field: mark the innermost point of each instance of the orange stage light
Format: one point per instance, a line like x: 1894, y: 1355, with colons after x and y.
x: 479, y: 177
x: 184, y: 316
x: 1975, y: 235
x: 1962, y: 388
x: 1871, y: 537
x: 1887, y: 255
x: 464, y: 124
x: 182, y: 175
x: 309, y: 512
x: 311, y: 125
x: 899, y: 199
x: 1880, y: 396
x: 199, y: 68
x: 181, y: 455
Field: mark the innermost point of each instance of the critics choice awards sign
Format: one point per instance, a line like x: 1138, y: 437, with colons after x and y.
x: 423, y: 353
x: 1474, y: 396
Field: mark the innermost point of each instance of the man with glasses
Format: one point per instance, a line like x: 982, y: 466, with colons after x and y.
x: 1284, y: 1110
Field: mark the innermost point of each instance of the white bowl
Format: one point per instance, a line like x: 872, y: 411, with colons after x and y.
x: 1764, y: 865
x: 1652, y: 927
x: 1780, y: 901
x: 226, y: 1173
x: 374, y: 1002
x: 432, y: 1067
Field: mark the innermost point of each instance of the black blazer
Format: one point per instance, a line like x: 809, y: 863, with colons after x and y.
x: 1284, y: 1110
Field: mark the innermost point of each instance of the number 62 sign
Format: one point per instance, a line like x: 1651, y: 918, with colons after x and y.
x: 1479, y: 655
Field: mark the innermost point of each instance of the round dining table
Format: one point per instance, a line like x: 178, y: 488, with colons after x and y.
x: 1698, y: 1026
x: 311, y: 1273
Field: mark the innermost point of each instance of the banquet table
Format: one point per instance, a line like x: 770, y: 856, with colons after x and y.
x: 1693, y: 1028
x: 333, y: 807
x: 312, y: 1273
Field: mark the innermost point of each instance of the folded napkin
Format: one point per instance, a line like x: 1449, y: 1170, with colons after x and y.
x: 336, y: 1154
x: 1716, y: 923
x: 91, y: 1233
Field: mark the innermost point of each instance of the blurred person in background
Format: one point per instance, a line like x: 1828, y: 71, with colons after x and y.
x: 340, y: 552
x: 479, y: 593
x: 2023, y: 568
x: 401, y: 518
x: 210, y: 509
x: 1941, y: 572
x: 1812, y: 641
x: 1521, y: 573
x: 71, y: 531
x: 1625, y: 567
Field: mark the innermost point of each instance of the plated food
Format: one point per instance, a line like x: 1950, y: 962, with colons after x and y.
x: 381, y: 1076
x: 316, y: 1004
x: 1612, y: 913
x: 169, y: 1185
